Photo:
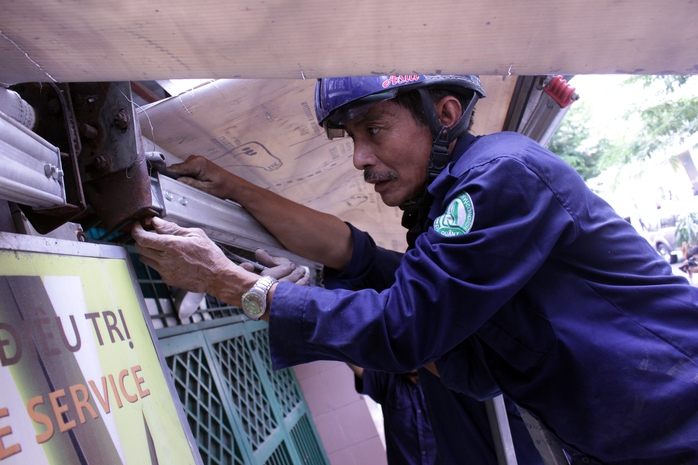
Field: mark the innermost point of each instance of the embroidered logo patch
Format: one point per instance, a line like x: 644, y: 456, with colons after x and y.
x: 458, y: 218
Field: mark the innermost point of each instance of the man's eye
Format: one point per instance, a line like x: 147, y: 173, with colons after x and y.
x: 373, y: 131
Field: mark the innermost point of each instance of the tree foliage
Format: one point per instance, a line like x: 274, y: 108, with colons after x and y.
x: 570, y: 142
x: 687, y: 229
x: 667, y: 83
x: 667, y: 119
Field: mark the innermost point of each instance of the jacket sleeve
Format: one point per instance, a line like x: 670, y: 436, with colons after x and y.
x: 370, y: 266
x: 444, y: 289
x: 375, y: 385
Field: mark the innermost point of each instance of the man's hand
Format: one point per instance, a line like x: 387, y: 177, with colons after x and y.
x: 280, y: 268
x: 187, y: 258
x: 202, y: 174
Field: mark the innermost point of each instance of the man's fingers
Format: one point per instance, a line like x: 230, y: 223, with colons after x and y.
x: 147, y: 261
x: 147, y: 251
x: 190, y: 167
x: 265, y: 259
x: 146, y: 240
x: 297, y: 276
x: 167, y: 227
x: 247, y: 266
x: 282, y: 268
x: 279, y: 271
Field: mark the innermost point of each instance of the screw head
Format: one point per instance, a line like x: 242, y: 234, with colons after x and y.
x: 121, y: 119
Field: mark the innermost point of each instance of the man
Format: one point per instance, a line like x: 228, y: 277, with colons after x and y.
x: 519, y: 277
x: 409, y: 438
x: 690, y: 264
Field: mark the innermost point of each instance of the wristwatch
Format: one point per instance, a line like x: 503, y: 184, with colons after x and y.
x: 254, y: 301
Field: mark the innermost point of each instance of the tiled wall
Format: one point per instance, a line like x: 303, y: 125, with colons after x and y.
x: 341, y: 416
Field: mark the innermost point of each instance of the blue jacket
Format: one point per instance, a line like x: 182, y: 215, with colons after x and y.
x: 532, y: 278
x: 460, y: 423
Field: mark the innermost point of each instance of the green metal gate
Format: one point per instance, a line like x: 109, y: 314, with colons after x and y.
x: 240, y: 410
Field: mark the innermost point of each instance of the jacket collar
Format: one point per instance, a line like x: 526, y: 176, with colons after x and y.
x: 441, y: 184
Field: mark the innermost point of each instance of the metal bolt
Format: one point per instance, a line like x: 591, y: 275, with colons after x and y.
x: 168, y: 195
x: 53, y: 172
x: 54, y: 106
x: 100, y: 163
x: 121, y: 119
x: 183, y: 201
x: 88, y: 131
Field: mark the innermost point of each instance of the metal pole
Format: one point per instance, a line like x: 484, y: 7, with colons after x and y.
x: 501, y: 433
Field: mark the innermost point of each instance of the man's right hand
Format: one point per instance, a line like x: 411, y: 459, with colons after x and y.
x: 280, y: 268
x: 202, y: 174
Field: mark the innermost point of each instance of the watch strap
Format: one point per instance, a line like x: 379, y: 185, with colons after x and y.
x: 265, y: 283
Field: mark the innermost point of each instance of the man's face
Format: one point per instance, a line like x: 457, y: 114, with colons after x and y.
x: 392, y: 149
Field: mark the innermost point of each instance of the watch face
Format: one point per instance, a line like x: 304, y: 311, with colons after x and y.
x: 253, y: 305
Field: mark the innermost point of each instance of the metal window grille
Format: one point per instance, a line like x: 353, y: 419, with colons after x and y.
x: 240, y: 374
x: 204, y: 409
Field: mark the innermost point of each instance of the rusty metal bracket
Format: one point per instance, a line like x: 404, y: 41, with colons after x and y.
x: 112, y: 161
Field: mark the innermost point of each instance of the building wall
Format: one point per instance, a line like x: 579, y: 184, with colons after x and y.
x: 342, y: 417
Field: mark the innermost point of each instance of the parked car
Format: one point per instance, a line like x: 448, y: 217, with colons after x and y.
x: 664, y: 239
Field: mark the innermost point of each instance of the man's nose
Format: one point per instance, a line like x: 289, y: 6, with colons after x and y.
x: 363, y: 157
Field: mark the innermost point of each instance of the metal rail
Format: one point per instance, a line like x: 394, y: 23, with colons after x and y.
x: 225, y: 222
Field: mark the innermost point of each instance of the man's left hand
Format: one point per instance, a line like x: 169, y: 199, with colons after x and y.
x: 187, y: 258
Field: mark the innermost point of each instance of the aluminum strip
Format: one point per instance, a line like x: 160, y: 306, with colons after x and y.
x: 223, y: 221
x: 45, y: 244
x: 28, y: 142
x: 23, y: 180
x: 30, y: 168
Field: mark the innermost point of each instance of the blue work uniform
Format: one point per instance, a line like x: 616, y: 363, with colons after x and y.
x: 528, y: 276
x: 460, y: 423
x: 409, y: 439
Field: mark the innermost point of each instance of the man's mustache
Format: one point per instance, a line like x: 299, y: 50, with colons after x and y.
x: 373, y: 176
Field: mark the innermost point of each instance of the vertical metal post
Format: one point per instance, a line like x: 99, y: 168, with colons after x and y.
x: 548, y: 447
x: 501, y: 433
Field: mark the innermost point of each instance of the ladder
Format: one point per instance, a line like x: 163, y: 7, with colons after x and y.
x: 548, y: 447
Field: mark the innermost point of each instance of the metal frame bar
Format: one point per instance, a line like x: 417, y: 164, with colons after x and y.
x: 501, y: 433
x: 31, y: 172
x: 223, y: 221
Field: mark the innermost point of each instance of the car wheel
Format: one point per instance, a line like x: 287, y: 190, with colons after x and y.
x: 664, y: 251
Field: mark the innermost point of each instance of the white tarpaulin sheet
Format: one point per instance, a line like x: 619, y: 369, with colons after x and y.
x: 136, y: 40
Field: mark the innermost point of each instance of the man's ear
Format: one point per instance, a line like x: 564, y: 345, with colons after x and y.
x: 449, y: 110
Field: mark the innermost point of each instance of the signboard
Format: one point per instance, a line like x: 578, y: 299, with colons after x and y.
x: 82, y: 380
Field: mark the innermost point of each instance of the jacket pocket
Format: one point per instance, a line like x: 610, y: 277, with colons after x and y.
x: 519, y: 335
